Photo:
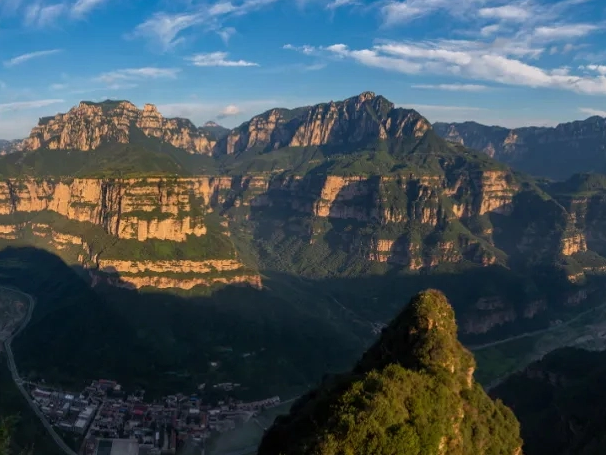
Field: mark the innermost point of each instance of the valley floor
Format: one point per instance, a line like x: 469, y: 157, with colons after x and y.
x: 498, y: 360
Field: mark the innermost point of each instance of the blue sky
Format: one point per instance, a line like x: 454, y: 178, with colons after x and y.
x: 499, y: 62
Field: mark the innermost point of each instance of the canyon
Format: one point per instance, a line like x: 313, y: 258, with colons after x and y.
x: 350, y: 188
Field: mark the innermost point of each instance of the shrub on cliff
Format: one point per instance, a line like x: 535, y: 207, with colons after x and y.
x: 411, y: 393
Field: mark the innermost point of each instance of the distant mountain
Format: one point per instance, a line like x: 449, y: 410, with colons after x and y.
x: 561, y: 403
x: 7, y: 147
x: 215, y: 130
x: 556, y: 153
x: 411, y: 393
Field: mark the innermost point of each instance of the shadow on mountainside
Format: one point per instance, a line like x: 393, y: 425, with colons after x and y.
x: 280, y: 340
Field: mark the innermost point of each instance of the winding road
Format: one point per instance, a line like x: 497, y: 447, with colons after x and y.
x: 536, y: 332
x: 15, y: 374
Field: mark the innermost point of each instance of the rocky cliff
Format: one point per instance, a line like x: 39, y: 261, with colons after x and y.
x: 89, y: 125
x: 359, y: 120
x: 341, y: 189
x: 411, y: 393
x: 556, y: 152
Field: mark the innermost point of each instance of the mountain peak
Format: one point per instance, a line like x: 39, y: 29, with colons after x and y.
x: 365, y: 96
x: 422, y: 337
x: 211, y: 124
x: 392, y: 404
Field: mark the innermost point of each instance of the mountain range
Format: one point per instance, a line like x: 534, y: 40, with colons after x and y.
x: 231, y: 255
x: 553, y: 152
x: 323, y: 216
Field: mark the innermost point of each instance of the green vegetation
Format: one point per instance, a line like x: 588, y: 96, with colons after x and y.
x: 411, y: 393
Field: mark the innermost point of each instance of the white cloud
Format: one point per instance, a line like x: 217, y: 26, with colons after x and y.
x: 601, y: 69
x: 453, y: 87
x: 506, y: 12
x: 335, y: 4
x: 229, y: 111
x: 564, y: 31
x: 592, y: 112
x: 226, y: 34
x: 23, y: 105
x: 58, y: 86
x: 468, y: 60
x: 82, y: 7
x: 40, y: 16
x: 137, y: 74
x: 490, y: 29
x: 217, y: 59
x: 29, y: 56
x: 167, y: 29
x: 305, y: 49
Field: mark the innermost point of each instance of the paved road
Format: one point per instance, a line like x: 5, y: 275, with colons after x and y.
x: 15, y: 374
x: 536, y: 332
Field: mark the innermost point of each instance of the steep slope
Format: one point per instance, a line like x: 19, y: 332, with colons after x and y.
x: 356, y: 122
x: 556, y: 153
x: 411, y: 393
x: 561, y: 403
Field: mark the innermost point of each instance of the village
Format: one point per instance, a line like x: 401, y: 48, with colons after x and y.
x: 110, y: 421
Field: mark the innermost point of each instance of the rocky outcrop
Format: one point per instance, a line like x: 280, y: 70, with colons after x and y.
x: 161, y: 282
x: 174, y: 266
x: 130, y: 209
x: 89, y: 125
x: 416, y: 351
x: 363, y: 119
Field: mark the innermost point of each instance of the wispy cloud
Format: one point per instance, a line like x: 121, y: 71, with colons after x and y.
x: 23, y: 105
x: 592, y: 112
x: 217, y: 59
x: 466, y: 59
x: 226, y: 34
x: 29, y: 56
x: 453, y: 87
x: 564, y: 31
x: 335, y: 4
x: 131, y: 74
x: 83, y: 7
x: 506, y: 12
x: 167, y: 29
x: 40, y: 16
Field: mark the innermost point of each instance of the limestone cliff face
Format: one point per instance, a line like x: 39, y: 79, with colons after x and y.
x: 589, y: 216
x: 129, y: 209
x: 180, y: 274
x: 89, y: 125
x: 363, y: 119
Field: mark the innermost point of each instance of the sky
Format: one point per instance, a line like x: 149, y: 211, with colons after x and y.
x: 510, y: 63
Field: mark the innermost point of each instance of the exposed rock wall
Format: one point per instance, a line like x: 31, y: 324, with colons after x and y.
x: 89, y: 125
x: 129, y: 209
